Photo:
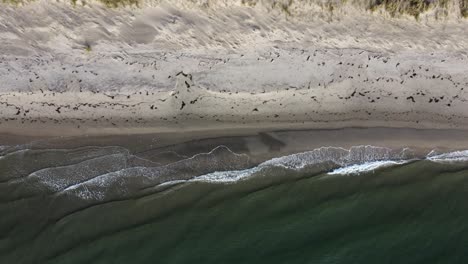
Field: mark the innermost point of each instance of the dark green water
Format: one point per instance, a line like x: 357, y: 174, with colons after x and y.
x: 412, y: 213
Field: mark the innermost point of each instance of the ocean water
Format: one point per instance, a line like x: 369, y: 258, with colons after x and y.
x: 107, y: 204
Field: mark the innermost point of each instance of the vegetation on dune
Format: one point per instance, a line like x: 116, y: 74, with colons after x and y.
x: 87, y: 47
x: 411, y: 7
x: 117, y: 3
x: 401, y: 7
x: 17, y: 2
x: 393, y: 7
x: 250, y: 3
x: 464, y: 8
x: 285, y: 7
x: 417, y: 7
x: 108, y: 3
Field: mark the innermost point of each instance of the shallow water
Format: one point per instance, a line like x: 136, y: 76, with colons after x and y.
x: 364, y: 204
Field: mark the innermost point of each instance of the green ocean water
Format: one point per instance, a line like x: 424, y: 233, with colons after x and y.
x: 411, y: 213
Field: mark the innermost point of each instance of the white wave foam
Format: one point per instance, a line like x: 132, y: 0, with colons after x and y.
x: 357, y: 159
x: 365, y: 167
x: 3, y: 147
x: 340, y: 156
x: 61, y: 177
x: 218, y: 177
x: 169, y: 183
x: 226, y: 176
x: 100, y: 186
x: 455, y: 156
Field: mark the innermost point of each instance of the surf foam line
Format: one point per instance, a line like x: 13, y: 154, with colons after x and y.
x: 126, y: 181
x: 366, y: 167
x: 454, y: 156
x: 353, y: 161
x: 217, y: 166
x: 449, y: 157
x: 361, y: 158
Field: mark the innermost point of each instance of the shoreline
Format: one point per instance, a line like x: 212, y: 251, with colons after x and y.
x: 259, y: 146
x: 51, y: 131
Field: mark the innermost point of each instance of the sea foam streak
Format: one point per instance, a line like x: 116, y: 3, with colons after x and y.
x: 366, y: 167
x: 123, y: 174
x: 354, y: 160
x: 339, y: 156
x: 455, y: 156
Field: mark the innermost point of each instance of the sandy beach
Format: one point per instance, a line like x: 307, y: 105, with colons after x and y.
x: 89, y: 70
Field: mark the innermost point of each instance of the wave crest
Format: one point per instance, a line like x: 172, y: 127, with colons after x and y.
x: 339, y: 156
x: 103, y: 174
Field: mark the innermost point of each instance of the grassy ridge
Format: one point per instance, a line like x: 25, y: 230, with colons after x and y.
x: 393, y: 7
x: 411, y: 7
x: 464, y: 8
x: 108, y: 3
x: 400, y: 7
x: 117, y: 3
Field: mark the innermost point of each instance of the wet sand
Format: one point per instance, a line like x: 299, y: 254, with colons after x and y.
x: 259, y: 146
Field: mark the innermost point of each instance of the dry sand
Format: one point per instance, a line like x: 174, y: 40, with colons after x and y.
x: 184, y: 66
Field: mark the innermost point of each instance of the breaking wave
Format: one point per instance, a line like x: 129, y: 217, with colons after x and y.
x: 334, y: 161
x: 108, y: 173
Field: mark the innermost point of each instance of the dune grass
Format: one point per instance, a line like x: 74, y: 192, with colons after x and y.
x: 464, y: 8
x: 17, y: 2
x: 117, y: 3
x: 108, y: 3
x: 417, y: 7
x: 393, y: 7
